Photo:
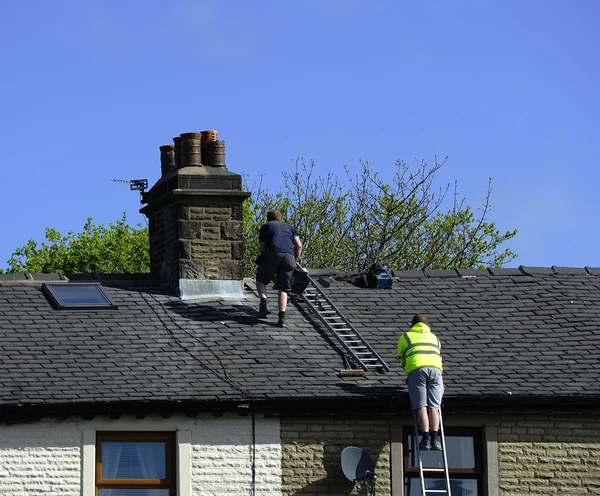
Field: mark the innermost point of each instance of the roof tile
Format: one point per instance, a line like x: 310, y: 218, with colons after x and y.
x: 156, y: 347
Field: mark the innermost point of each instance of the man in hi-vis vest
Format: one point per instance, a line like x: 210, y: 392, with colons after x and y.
x: 420, y: 353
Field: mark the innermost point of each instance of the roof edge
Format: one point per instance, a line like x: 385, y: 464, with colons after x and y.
x: 363, y: 406
x: 136, y: 278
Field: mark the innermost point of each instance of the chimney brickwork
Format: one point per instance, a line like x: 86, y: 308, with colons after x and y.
x: 195, y: 218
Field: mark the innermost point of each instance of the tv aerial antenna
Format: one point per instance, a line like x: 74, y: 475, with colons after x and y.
x: 135, y: 185
x: 357, y: 466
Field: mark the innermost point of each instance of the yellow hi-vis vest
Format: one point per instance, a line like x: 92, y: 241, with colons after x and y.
x: 419, y: 348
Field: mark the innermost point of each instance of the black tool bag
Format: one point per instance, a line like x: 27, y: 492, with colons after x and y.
x: 378, y: 277
x: 299, y: 281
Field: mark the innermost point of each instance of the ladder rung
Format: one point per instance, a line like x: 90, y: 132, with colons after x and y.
x: 438, y: 491
x: 335, y: 321
x: 433, y: 469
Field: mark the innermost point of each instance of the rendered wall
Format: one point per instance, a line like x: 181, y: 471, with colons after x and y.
x: 40, y: 459
x: 47, y: 458
x: 222, y: 455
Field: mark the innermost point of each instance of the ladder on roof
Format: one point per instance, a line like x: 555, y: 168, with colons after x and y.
x: 433, y: 473
x: 350, y: 339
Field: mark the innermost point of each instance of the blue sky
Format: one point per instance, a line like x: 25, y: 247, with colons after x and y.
x: 505, y: 89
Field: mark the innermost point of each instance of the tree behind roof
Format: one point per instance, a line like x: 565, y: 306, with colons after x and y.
x: 406, y: 224
x: 116, y: 248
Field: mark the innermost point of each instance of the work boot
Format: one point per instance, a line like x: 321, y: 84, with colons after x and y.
x: 425, y: 444
x: 282, y: 321
x: 436, y: 444
x: 263, y: 311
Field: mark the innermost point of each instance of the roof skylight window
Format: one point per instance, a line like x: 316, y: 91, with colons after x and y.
x: 78, y: 296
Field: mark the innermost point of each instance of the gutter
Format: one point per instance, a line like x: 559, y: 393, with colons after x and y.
x: 309, y: 407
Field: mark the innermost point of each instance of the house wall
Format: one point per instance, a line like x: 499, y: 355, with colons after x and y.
x: 525, y: 454
x: 52, y: 458
x: 550, y: 454
x: 222, y: 454
x: 311, y: 454
x: 41, y: 459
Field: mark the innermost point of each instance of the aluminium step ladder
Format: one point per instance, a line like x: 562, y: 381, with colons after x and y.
x: 434, y: 471
x: 350, y: 339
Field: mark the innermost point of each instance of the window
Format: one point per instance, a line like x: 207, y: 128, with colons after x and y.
x: 463, y: 449
x: 68, y: 295
x: 135, y: 464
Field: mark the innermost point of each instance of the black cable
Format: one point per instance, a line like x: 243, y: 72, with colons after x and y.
x: 253, y: 487
x: 225, y: 378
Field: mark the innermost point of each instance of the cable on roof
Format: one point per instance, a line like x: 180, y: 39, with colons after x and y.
x: 225, y: 378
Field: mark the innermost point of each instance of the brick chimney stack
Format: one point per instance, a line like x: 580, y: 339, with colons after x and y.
x: 195, y: 218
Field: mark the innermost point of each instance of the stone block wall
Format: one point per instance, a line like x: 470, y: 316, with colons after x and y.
x: 311, y: 454
x: 163, y: 242
x: 549, y: 454
x: 211, y: 242
x: 191, y: 242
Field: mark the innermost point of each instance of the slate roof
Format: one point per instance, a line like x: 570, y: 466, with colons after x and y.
x: 506, y: 333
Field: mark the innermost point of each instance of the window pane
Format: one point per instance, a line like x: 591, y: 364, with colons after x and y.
x: 79, y: 293
x: 133, y: 492
x: 460, y: 451
x: 134, y: 460
x: 458, y: 487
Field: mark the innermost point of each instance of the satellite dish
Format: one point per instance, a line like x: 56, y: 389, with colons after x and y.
x: 357, y: 466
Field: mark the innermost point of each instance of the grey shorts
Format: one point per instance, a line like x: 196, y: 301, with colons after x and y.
x: 279, y: 267
x: 425, y: 388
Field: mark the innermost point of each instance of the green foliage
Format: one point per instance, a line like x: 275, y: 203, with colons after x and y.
x: 118, y: 248
x: 401, y: 225
x: 406, y: 224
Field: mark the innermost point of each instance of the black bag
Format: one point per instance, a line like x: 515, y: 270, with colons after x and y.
x: 359, y: 280
x: 377, y: 277
x: 299, y: 281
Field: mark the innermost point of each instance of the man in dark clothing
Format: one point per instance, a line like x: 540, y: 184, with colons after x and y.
x: 280, y: 249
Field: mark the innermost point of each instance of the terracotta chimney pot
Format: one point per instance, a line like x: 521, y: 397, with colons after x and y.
x: 167, y: 158
x: 191, y: 149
